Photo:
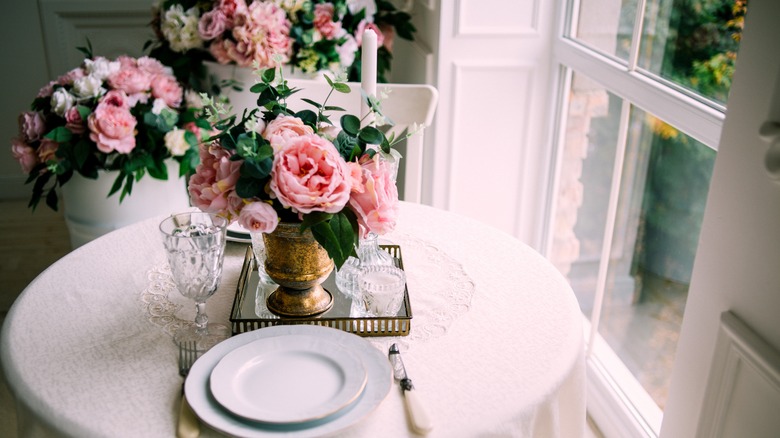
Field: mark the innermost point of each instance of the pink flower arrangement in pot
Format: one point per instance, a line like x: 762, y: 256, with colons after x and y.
x: 274, y: 164
x: 126, y: 114
x: 309, y: 35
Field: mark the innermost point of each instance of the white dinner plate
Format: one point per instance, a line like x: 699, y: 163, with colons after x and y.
x: 288, y: 379
x: 378, y: 383
x: 237, y: 233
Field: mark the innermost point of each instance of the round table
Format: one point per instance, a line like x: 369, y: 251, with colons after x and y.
x: 496, y: 345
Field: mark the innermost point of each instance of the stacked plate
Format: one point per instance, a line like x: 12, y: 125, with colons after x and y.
x: 296, y: 381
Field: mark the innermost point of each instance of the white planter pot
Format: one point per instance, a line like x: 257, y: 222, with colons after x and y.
x: 90, y: 213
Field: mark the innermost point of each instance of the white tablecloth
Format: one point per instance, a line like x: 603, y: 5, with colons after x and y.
x: 496, y: 347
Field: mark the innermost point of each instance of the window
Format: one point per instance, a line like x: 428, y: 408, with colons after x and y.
x: 644, y: 87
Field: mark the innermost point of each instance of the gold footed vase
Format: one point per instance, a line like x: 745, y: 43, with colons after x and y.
x: 298, y: 264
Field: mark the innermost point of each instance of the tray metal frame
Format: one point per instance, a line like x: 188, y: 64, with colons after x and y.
x: 399, y: 325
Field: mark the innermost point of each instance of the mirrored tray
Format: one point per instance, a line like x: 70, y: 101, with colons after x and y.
x: 250, y: 312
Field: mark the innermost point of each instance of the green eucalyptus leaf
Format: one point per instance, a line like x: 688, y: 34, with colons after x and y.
x: 371, y: 135
x: 309, y: 117
x: 269, y: 75
x: 350, y: 124
x: 341, y: 87
x: 247, y: 187
x: 311, y: 102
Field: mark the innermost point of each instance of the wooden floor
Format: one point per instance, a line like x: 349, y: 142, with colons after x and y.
x: 29, y: 243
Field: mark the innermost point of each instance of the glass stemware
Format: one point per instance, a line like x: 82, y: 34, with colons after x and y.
x: 195, y: 244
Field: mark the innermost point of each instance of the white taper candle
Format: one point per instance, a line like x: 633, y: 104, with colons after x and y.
x: 368, y: 69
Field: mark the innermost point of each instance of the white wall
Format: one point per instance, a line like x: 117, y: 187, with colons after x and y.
x: 492, y: 145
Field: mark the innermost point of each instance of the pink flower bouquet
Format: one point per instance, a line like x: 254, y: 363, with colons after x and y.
x: 310, y: 35
x: 275, y: 165
x: 125, y: 115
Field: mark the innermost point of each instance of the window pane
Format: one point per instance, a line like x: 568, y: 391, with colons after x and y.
x: 663, y: 194
x: 607, y: 25
x: 693, y: 43
x: 584, y: 185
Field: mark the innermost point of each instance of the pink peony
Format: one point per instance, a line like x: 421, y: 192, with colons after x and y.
x: 130, y: 79
x: 47, y: 150
x: 323, y: 21
x: 151, y: 66
x: 116, y: 98
x: 112, y: 126
x: 258, y: 216
x: 46, y: 90
x: 309, y: 175
x: 32, y: 126
x: 214, y: 182
x: 283, y: 128
x: 362, y: 26
x: 24, y: 154
x: 213, y: 24
x: 260, y: 32
x: 74, y: 122
x: 219, y: 51
x: 376, y: 207
x: 166, y: 87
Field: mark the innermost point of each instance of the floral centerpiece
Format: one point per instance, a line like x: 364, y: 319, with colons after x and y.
x: 127, y: 115
x: 309, y: 35
x: 276, y: 165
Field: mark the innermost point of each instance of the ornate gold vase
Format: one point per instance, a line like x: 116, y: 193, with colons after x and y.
x: 298, y: 264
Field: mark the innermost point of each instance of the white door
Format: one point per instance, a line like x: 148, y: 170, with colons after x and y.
x: 737, y: 265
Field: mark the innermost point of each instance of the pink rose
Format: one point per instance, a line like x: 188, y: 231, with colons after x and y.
x: 24, y: 154
x: 74, y: 122
x: 212, y: 24
x: 112, y: 126
x: 230, y: 8
x: 46, y: 90
x: 323, y: 20
x: 71, y: 76
x: 283, y: 128
x: 309, y: 175
x: 47, y: 150
x: 362, y: 26
x: 376, y: 207
x: 166, y: 87
x: 31, y: 126
x: 219, y: 51
x: 264, y: 19
x: 214, y: 182
x: 258, y: 216
x: 116, y: 98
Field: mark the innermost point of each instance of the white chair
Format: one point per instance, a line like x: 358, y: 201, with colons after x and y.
x: 406, y: 105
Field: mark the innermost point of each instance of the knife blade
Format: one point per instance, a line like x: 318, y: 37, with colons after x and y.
x: 419, y: 420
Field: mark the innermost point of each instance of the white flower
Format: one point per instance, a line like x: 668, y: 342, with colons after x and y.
x: 101, y: 68
x: 347, y: 50
x: 181, y: 28
x: 255, y: 124
x: 158, y: 105
x: 356, y: 6
x: 193, y: 99
x: 61, y: 102
x: 176, y: 143
x: 88, y: 87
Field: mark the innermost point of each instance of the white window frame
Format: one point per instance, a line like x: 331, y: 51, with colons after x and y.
x: 617, y: 402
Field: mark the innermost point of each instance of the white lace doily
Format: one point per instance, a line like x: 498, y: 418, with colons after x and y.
x: 439, y: 291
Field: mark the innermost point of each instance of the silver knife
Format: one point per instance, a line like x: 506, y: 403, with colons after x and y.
x: 419, y: 419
